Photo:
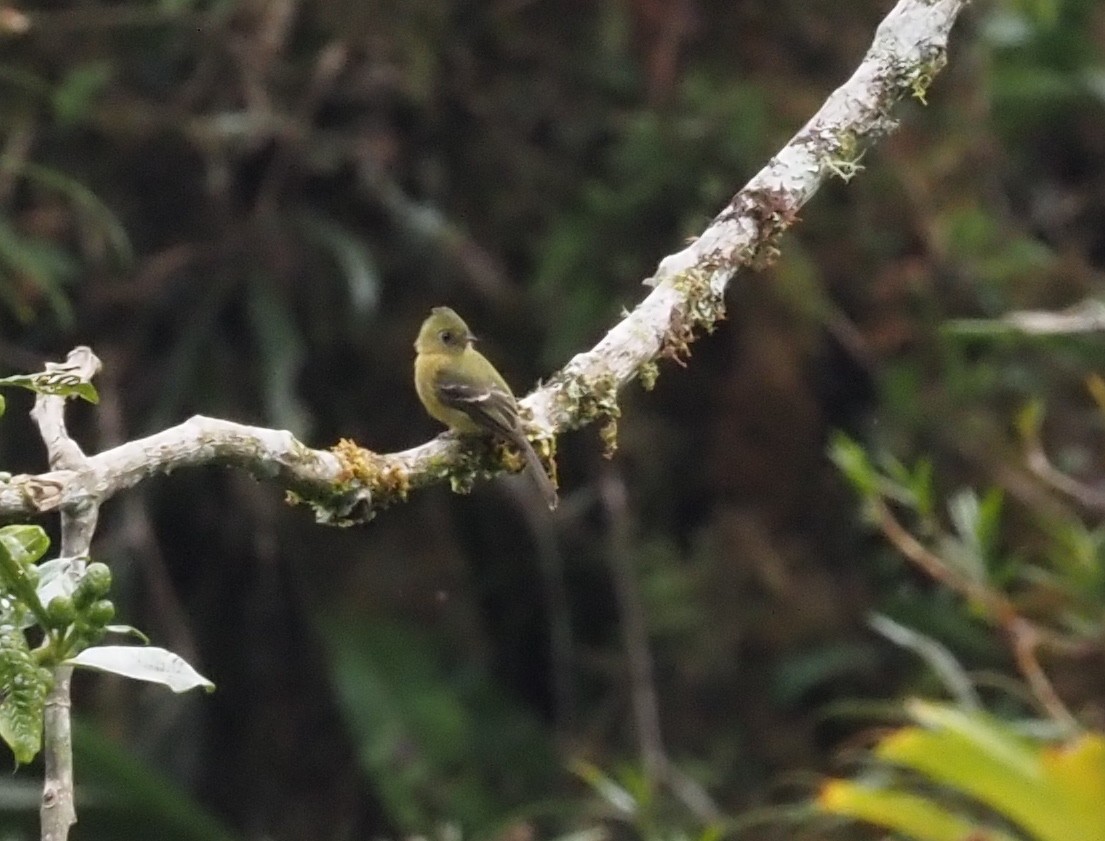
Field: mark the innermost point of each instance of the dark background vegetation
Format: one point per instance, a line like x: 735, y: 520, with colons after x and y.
x: 246, y: 209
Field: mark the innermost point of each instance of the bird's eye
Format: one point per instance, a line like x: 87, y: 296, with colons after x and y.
x: 446, y: 336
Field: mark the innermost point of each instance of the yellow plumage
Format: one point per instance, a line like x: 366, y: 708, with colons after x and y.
x: 460, y: 388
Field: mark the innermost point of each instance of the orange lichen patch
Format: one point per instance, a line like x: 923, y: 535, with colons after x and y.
x: 357, y: 463
x: 386, y: 479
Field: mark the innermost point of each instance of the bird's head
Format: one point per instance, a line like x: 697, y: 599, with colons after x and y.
x: 443, y: 332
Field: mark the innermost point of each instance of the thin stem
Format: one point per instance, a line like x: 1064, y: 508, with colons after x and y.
x: 642, y: 688
x: 995, y: 604
x: 658, y: 768
x: 550, y: 560
x: 58, y: 811
x: 1025, y: 638
x: 1085, y: 495
x: 78, y: 523
x: 1025, y: 642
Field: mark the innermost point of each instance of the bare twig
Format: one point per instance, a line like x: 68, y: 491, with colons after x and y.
x: 1030, y: 426
x: 550, y: 560
x: 57, y: 812
x: 1084, y: 317
x: 1025, y: 637
x: 996, y: 605
x: 1085, y: 495
x: 16, y: 150
x: 658, y: 767
x: 631, y: 609
x: 78, y: 522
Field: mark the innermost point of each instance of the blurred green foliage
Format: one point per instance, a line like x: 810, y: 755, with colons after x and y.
x: 441, y: 742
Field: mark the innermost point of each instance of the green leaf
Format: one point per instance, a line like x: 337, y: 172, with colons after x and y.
x: 1029, y: 420
x: 41, y: 263
x: 909, y: 487
x: 75, y: 96
x: 978, y: 521
x: 152, y: 664
x: 439, y: 742
x: 56, y: 383
x: 1053, y: 793
x: 911, y: 815
x: 989, y: 519
x: 851, y: 459
x: 23, y: 690
x: 964, y: 550
x: 351, y: 256
x: 84, y: 200
x: 26, y: 544
x: 20, y: 547
x: 937, y: 655
x: 1079, y: 770
x: 1077, y: 553
x: 606, y: 787
x: 130, y: 793
x: 963, y: 510
x: 924, y: 495
x: 985, y: 759
x: 281, y: 355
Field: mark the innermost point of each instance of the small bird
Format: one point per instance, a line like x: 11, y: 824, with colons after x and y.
x: 460, y: 388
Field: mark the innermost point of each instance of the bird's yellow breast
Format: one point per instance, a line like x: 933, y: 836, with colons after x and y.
x: 427, y: 367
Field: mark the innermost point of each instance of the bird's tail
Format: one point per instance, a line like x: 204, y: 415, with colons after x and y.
x: 548, y: 491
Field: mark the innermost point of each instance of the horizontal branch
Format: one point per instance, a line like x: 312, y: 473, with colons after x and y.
x: 687, y: 297
x: 269, y: 454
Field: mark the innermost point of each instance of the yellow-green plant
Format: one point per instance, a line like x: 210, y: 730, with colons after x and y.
x: 955, y: 775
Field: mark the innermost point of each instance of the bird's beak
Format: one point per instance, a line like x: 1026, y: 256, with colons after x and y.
x: 472, y: 339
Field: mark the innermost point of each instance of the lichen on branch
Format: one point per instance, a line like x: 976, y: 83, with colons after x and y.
x: 687, y: 298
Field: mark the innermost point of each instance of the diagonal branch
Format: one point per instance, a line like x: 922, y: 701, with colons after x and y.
x: 908, y: 49
x: 348, y: 484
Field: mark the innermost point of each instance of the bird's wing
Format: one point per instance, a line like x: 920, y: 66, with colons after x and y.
x: 489, y: 406
x: 493, y: 408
